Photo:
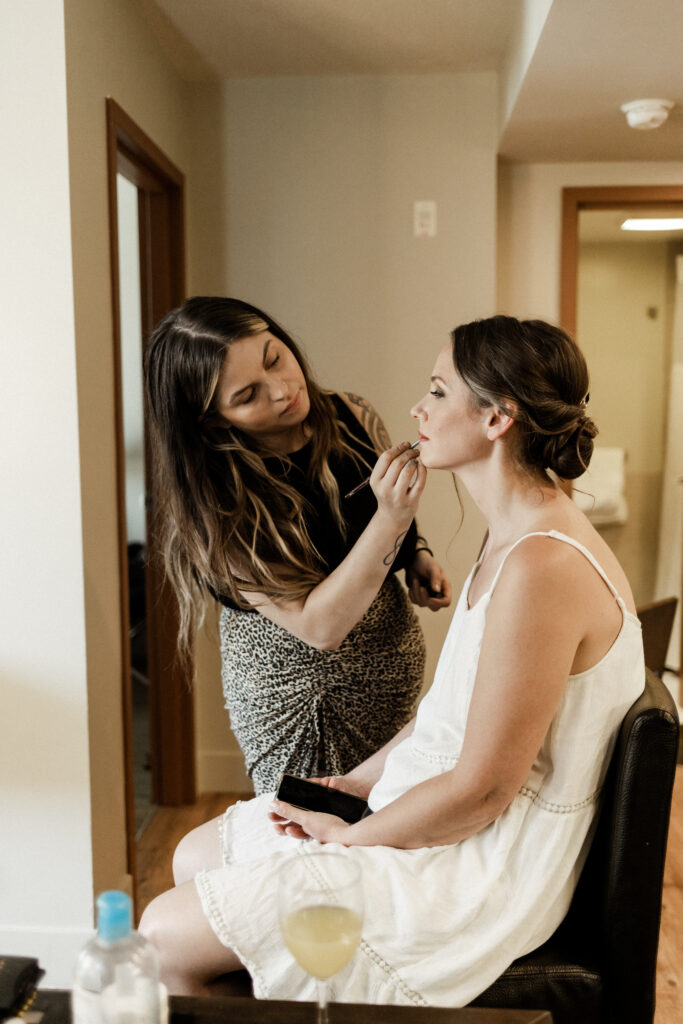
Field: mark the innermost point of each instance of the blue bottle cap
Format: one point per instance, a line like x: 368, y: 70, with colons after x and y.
x: 114, y: 915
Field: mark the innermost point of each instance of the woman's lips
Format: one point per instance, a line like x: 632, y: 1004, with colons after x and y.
x: 292, y: 405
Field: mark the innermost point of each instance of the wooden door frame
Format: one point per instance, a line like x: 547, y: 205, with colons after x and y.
x: 604, y: 197
x: 162, y: 271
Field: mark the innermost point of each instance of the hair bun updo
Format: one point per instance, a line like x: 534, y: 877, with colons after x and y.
x: 537, y: 373
x: 569, y: 453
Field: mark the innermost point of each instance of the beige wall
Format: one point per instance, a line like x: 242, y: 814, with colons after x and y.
x: 529, y: 249
x: 624, y: 327
x: 321, y: 178
x: 110, y: 52
x: 530, y: 228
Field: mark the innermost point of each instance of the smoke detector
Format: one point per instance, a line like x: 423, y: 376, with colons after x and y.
x: 645, y: 114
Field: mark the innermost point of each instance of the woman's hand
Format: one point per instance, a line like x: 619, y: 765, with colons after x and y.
x: 428, y: 585
x: 398, y: 480
x: 346, y: 784
x: 291, y: 826
x: 297, y: 823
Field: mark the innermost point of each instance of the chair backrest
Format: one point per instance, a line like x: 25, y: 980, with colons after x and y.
x: 618, y: 901
x: 657, y: 619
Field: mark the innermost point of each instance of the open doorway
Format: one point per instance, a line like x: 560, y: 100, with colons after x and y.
x: 622, y: 296
x: 146, y: 204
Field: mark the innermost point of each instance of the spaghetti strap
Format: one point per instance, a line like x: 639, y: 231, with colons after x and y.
x: 556, y: 535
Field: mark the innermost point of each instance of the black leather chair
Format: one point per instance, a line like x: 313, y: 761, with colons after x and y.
x: 600, y: 965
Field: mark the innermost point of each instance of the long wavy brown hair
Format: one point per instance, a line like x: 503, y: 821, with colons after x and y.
x: 227, y: 526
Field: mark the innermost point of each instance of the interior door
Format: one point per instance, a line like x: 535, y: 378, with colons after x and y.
x: 135, y: 161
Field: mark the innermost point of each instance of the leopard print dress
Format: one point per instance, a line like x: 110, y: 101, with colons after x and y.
x: 309, y: 712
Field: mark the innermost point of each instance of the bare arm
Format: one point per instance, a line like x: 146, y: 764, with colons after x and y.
x: 546, y: 610
x: 331, y: 609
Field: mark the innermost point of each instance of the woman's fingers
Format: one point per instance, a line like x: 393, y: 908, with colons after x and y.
x: 285, y: 827
x: 398, y: 472
x: 301, y: 824
x: 391, y: 462
x: 428, y: 585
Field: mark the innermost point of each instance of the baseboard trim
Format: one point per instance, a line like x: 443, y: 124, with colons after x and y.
x: 221, y: 771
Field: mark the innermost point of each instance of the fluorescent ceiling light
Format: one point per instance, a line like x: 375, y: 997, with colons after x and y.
x: 653, y: 224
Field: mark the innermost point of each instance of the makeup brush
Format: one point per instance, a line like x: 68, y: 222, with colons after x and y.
x: 364, y: 483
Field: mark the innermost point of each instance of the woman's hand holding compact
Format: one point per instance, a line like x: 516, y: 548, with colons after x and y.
x: 428, y: 585
x: 297, y: 823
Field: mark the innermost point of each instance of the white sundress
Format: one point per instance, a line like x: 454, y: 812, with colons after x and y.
x: 442, y: 923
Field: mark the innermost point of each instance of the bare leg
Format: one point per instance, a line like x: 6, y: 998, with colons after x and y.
x: 199, y: 850
x: 192, y: 958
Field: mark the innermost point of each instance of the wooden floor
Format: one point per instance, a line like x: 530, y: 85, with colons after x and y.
x: 169, y: 824
x: 670, y: 960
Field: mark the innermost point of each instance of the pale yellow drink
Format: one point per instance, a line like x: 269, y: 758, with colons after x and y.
x: 322, y: 939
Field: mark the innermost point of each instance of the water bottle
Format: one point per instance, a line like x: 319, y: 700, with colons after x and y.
x: 117, y: 972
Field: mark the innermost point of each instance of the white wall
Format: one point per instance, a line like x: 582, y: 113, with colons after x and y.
x: 321, y: 176
x: 45, y: 858
x: 531, y: 17
x: 671, y: 522
x: 62, y: 778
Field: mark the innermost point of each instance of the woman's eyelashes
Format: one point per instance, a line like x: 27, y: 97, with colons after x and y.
x: 249, y: 395
x: 436, y: 392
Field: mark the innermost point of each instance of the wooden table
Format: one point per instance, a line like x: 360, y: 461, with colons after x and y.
x: 233, y: 1010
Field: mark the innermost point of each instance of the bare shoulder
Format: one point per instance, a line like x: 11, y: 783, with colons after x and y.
x: 540, y: 563
x: 369, y: 419
x: 553, y: 574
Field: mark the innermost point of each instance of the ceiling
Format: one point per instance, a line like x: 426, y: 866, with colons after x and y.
x: 245, y: 38
x: 592, y: 56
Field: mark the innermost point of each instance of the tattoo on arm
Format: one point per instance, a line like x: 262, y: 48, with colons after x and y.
x: 371, y: 422
x: 388, y: 559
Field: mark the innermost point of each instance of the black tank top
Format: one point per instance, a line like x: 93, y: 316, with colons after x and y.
x: 358, y: 510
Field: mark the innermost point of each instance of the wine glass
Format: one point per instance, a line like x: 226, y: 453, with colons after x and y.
x: 320, y: 908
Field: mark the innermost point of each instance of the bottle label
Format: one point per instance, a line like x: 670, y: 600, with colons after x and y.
x: 132, y: 999
x: 163, y: 1003
x: 86, y: 1007
x: 146, y: 1003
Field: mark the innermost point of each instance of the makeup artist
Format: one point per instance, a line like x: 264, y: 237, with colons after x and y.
x: 322, y: 654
